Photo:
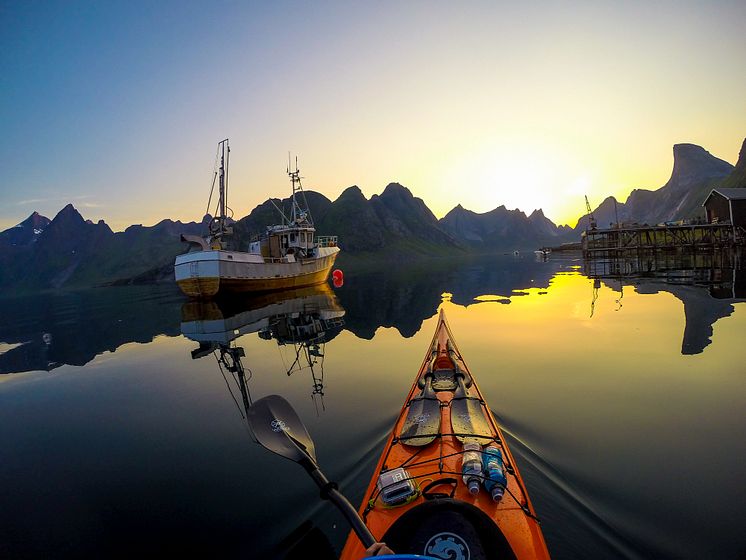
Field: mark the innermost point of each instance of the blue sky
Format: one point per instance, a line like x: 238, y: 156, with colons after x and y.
x: 117, y: 106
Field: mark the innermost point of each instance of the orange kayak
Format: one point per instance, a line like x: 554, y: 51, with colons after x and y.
x: 425, y: 496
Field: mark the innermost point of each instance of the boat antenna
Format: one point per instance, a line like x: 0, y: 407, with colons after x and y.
x: 295, y: 178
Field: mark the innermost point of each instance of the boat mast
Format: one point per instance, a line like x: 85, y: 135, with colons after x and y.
x: 224, y: 159
x: 297, y: 213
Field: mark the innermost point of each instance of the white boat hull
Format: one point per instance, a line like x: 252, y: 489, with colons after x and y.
x: 207, y: 273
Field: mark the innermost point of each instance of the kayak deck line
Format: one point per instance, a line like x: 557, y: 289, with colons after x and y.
x: 432, y: 459
x: 401, y: 440
x: 508, y: 469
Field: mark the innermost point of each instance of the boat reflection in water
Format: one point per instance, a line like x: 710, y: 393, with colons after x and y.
x: 304, y: 319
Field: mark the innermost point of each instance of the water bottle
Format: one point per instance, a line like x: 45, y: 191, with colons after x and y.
x: 471, y: 466
x: 494, y: 473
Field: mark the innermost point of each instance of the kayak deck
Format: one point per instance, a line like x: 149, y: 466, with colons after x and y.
x: 504, y: 530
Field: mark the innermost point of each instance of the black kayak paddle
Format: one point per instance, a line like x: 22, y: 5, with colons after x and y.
x: 467, y: 414
x: 422, y: 423
x: 278, y: 428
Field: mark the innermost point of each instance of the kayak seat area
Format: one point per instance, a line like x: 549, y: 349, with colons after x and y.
x: 444, y: 380
x: 448, y: 528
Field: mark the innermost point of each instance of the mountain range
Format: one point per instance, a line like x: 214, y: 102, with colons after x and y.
x: 69, y: 251
x: 695, y: 173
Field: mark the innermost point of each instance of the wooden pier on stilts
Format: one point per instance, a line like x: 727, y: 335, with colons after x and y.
x: 625, y: 240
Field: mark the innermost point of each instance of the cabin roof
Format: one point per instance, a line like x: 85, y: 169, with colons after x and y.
x: 729, y: 194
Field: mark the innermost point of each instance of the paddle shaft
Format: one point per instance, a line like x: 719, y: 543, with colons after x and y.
x: 330, y: 492
x: 278, y: 428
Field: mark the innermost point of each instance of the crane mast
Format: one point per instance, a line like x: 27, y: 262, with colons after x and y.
x: 591, y: 219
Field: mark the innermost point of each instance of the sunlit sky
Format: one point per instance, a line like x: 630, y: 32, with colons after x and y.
x: 117, y: 107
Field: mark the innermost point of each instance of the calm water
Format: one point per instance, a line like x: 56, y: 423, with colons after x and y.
x: 622, y: 388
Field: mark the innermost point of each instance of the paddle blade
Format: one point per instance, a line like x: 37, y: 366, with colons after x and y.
x: 278, y: 428
x: 467, y: 415
x: 422, y: 424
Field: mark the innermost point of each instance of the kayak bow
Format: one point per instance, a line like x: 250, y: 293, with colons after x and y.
x: 417, y: 502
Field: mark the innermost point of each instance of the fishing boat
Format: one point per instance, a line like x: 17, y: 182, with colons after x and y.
x: 286, y: 255
x: 420, y: 501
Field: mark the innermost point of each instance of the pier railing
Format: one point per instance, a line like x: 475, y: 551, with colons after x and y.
x: 602, y: 243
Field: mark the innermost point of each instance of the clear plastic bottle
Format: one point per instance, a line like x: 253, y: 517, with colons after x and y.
x: 494, y: 472
x: 472, y: 466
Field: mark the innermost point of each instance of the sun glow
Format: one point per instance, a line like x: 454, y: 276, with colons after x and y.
x: 527, y: 176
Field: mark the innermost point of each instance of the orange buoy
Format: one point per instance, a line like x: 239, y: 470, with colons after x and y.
x: 338, y: 278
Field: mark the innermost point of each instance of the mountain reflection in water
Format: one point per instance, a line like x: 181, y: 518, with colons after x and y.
x: 622, y: 410
x: 707, y: 285
x: 43, y: 332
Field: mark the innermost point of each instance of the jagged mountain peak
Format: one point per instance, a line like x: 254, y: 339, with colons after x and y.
x: 396, y: 194
x: 517, y: 212
x: 68, y: 209
x: 608, y: 201
x: 459, y: 210
x: 399, y: 199
x: 25, y: 233
x: 688, y: 149
x: 352, y: 192
x: 396, y: 188
x: 501, y: 228
x: 692, y: 163
x: 68, y: 215
x: 69, y: 222
x: 36, y: 221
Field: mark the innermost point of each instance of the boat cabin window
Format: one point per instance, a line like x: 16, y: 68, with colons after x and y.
x: 292, y: 238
